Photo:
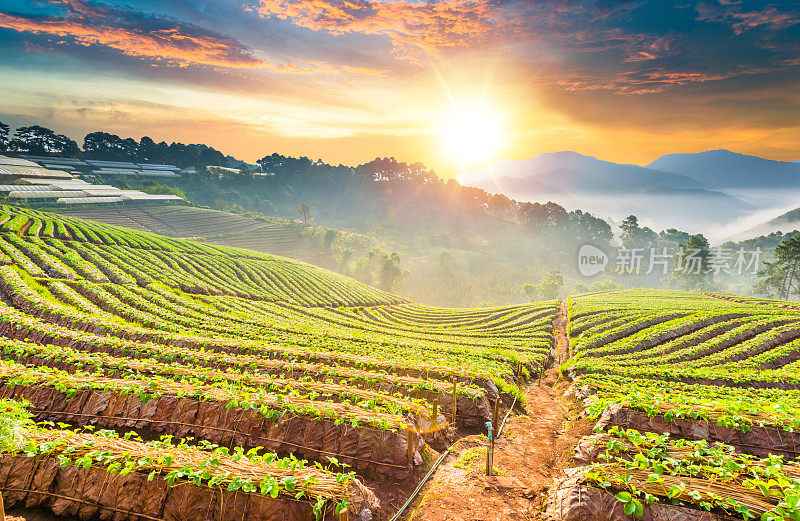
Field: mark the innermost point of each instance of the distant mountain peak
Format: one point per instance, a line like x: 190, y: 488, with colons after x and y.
x: 720, y: 150
x: 723, y: 169
x: 568, y: 171
x: 565, y: 153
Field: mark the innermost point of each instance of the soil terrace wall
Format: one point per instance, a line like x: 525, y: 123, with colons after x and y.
x: 94, y: 493
x: 758, y: 441
x: 437, y: 438
x: 470, y: 412
x: 572, y: 500
x: 363, y: 448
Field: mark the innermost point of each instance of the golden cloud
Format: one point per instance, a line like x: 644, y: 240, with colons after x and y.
x: 174, y: 45
x: 412, y: 26
x: 160, y: 40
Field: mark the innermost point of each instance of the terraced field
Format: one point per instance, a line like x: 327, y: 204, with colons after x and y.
x: 183, y: 380
x: 278, y: 237
x: 266, y: 388
x: 698, y: 402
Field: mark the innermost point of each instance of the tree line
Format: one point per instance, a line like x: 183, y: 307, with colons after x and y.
x: 497, y: 242
x: 41, y: 141
x: 412, y: 182
x: 389, y: 193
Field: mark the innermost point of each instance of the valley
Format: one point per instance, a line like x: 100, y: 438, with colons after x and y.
x: 339, y: 398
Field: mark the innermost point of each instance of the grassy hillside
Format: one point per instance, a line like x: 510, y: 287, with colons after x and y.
x: 344, y: 391
x: 123, y: 329
x: 439, y: 269
x: 277, y: 236
x: 670, y: 376
x: 49, y: 245
x: 784, y: 223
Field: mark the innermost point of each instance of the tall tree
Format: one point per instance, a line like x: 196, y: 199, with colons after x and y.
x: 529, y: 290
x: 634, y: 236
x: 788, y: 254
x: 629, y: 225
x: 500, y: 205
x: 305, y: 211
x: 691, y: 269
x: 586, y: 228
x: 773, y: 280
x: 538, y: 217
x: 109, y: 147
x: 38, y: 140
x: 4, y: 131
x: 390, y: 271
x: 149, y: 151
x: 550, y: 285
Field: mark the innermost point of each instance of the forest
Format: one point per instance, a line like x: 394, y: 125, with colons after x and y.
x: 401, y: 227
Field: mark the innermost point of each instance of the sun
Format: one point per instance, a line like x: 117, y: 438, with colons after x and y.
x: 472, y: 135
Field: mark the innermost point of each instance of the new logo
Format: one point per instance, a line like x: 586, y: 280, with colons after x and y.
x: 591, y: 260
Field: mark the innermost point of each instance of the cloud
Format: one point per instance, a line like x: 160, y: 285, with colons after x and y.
x: 419, y: 29
x: 733, y: 14
x: 159, y: 40
x: 635, y: 48
x: 656, y: 48
x: 652, y: 80
x: 152, y: 38
x: 413, y: 27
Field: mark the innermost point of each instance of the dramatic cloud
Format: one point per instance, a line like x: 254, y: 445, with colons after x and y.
x: 651, y: 81
x: 589, y: 74
x: 152, y: 38
x: 733, y: 14
x: 412, y: 26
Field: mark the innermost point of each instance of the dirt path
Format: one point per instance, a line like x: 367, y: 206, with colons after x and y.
x: 533, y: 449
x: 560, y: 333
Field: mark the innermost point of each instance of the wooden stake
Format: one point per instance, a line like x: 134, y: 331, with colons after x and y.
x: 492, y: 435
x: 436, y: 413
x: 489, y: 454
x: 495, y: 418
x: 2, y: 509
x: 455, y: 403
x: 410, y: 442
x: 490, y: 449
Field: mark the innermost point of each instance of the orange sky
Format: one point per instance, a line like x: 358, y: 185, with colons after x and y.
x: 347, y: 81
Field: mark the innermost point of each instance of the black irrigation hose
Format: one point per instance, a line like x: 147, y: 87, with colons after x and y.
x: 419, y: 486
x: 500, y: 430
x: 413, y: 495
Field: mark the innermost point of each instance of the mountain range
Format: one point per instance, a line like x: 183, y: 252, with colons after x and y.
x: 571, y: 172
x: 723, y: 169
x: 714, y: 192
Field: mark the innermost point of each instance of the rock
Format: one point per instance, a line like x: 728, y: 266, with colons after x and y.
x: 503, y: 484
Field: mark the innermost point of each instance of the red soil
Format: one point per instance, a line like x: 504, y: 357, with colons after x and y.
x: 532, y: 450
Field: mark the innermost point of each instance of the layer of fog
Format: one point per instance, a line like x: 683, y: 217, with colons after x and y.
x: 720, y: 217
